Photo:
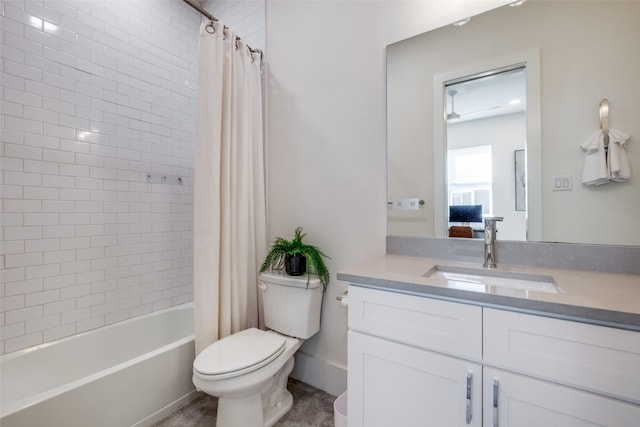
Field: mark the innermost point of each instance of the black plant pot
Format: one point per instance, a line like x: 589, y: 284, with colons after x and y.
x: 295, y: 265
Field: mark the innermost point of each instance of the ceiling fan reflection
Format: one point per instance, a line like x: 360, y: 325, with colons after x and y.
x: 453, y: 115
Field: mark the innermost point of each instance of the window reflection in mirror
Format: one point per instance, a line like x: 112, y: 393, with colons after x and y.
x: 485, y: 125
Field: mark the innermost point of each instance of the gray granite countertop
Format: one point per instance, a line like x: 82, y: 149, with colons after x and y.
x: 606, y: 299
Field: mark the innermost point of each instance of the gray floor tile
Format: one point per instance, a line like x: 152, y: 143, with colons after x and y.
x: 311, y: 408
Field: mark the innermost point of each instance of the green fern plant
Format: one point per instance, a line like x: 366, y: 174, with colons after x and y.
x: 314, y: 257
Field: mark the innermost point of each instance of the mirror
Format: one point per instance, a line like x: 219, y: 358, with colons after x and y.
x: 576, y: 53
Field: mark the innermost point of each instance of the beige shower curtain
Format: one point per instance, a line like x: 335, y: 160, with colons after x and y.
x: 229, y: 213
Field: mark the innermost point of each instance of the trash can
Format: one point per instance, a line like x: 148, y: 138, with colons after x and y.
x: 340, y: 411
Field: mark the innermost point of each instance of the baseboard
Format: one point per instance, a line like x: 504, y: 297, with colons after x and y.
x: 320, y: 374
x: 168, y: 410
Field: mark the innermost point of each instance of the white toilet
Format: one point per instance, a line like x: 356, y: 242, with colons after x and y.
x: 248, y: 370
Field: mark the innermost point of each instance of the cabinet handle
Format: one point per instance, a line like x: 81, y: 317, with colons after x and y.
x: 495, y: 403
x: 469, y: 397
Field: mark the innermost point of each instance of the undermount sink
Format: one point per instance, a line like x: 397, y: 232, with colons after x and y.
x: 477, y: 279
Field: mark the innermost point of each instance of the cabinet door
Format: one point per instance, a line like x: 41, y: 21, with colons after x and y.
x: 397, y: 385
x: 516, y: 400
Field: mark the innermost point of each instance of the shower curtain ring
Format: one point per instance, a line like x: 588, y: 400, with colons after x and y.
x: 210, y: 28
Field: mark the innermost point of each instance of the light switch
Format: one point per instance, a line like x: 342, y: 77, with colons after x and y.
x: 561, y: 183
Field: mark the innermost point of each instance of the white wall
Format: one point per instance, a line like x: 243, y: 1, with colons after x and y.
x: 95, y: 95
x: 326, y: 138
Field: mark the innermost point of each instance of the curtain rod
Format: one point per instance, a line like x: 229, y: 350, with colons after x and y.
x: 199, y: 8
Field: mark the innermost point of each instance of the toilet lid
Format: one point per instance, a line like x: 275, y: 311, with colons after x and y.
x: 239, y: 353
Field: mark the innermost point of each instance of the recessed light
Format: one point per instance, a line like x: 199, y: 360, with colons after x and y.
x: 461, y: 22
x: 514, y: 102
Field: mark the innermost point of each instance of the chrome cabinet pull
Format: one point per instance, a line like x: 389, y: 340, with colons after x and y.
x: 495, y: 403
x: 468, y: 397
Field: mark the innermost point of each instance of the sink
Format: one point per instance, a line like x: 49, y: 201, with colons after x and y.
x: 480, y: 280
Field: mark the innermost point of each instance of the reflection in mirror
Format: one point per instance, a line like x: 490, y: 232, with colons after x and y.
x: 485, y: 135
x: 579, y: 52
x: 499, y: 119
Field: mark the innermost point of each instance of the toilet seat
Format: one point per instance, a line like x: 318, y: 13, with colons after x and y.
x: 240, y: 353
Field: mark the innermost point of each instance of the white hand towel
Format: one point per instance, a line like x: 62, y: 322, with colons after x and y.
x: 595, y: 170
x: 617, y: 160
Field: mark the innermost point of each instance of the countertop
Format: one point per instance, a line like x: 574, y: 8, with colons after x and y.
x: 606, y: 299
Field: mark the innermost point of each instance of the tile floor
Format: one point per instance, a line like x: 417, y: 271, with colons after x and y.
x: 311, y: 408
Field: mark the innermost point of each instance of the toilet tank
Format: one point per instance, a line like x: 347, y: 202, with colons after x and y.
x: 290, y: 306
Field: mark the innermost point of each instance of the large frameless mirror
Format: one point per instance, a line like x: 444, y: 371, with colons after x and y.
x: 568, y: 51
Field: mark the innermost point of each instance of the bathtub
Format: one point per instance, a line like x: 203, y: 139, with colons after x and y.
x: 131, y: 373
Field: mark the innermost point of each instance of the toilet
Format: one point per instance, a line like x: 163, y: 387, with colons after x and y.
x: 248, y: 370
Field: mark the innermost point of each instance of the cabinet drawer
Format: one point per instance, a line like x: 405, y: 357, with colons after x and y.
x: 596, y: 358
x: 442, y: 326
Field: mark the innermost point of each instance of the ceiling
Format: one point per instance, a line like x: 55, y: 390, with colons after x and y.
x: 481, y: 97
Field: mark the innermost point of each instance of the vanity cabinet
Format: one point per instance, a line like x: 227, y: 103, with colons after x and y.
x: 418, y: 361
x: 544, y: 371
x: 413, y: 361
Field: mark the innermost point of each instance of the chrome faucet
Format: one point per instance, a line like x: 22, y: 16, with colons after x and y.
x: 489, y: 240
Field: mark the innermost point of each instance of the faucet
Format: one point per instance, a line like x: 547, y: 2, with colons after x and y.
x: 489, y: 239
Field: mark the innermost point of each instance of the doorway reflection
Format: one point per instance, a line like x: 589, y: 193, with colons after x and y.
x: 485, y: 139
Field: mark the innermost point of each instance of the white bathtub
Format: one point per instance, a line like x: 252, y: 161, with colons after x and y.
x: 131, y: 373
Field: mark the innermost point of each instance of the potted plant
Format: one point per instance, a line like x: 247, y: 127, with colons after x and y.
x: 296, y: 258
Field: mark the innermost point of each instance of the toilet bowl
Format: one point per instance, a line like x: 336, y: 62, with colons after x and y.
x: 248, y: 370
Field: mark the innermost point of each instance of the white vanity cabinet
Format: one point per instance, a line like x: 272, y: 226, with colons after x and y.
x: 551, y: 372
x: 409, y: 358
x: 413, y: 361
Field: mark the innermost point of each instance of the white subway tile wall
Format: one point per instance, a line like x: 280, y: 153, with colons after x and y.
x: 98, y: 103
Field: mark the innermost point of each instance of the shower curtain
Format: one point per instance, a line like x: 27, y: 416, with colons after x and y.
x: 229, y: 204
